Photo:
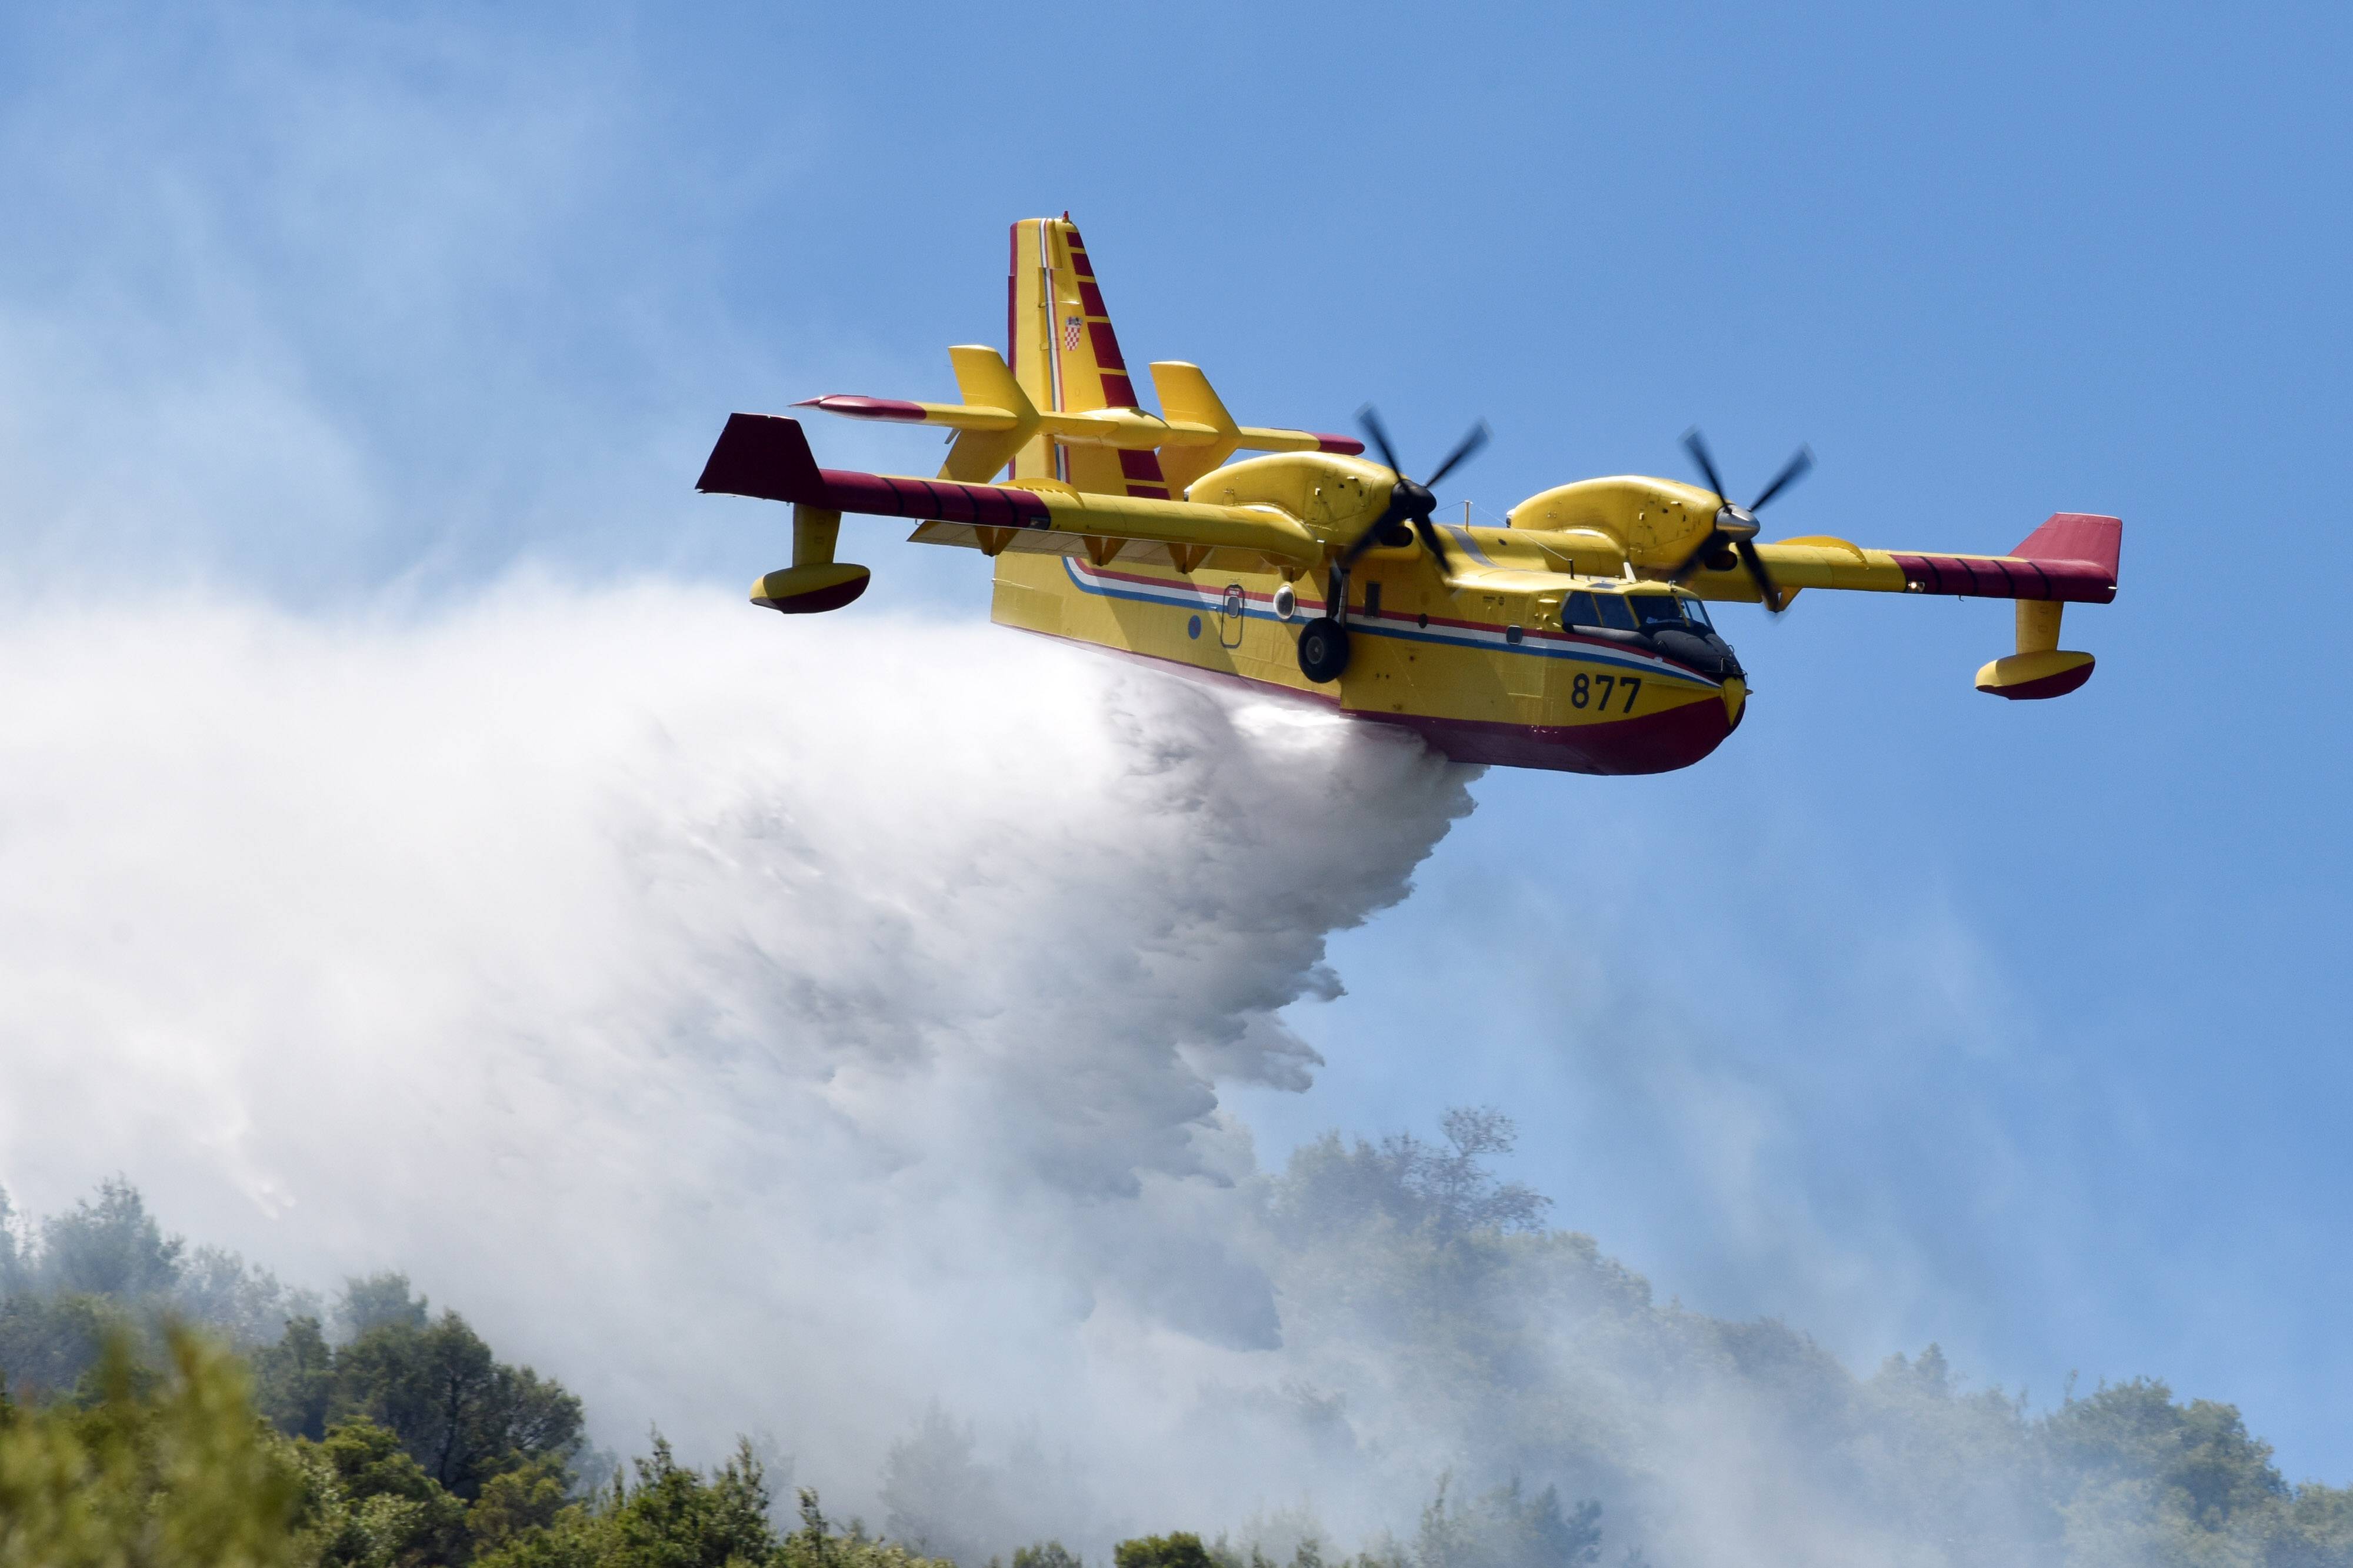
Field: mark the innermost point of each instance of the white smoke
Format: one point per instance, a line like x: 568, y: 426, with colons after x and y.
x: 755, y: 1023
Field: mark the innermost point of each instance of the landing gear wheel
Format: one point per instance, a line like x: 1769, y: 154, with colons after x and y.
x: 1323, y: 649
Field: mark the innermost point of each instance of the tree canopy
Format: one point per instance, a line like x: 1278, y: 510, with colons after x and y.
x: 164, y: 1404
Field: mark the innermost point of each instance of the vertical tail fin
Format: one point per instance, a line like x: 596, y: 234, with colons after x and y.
x: 1066, y: 358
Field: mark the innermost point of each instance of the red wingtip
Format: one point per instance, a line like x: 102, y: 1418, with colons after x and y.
x: 2083, y: 536
x: 763, y: 456
x: 1346, y: 445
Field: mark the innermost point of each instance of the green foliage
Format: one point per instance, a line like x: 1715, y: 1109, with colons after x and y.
x: 937, y: 1497
x: 108, y: 1265
x: 2185, y: 1483
x: 671, y: 1517
x: 519, y: 1501
x: 1180, y: 1550
x: 367, y: 1504
x: 49, y: 1343
x: 378, y: 1300
x: 462, y: 1414
x: 1407, y: 1183
x: 1046, y: 1554
x: 294, y: 1380
x: 674, y: 1517
x: 182, y: 1474
x: 399, y: 1440
x: 1543, y: 1357
x: 112, y: 1248
x: 1505, y: 1529
x: 818, y: 1543
x: 11, y: 1255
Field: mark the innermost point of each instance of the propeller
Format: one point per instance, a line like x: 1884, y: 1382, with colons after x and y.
x: 1409, y: 503
x: 1737, y: 525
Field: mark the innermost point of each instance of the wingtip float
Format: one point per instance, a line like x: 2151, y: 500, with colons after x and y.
x: 1576, y: 637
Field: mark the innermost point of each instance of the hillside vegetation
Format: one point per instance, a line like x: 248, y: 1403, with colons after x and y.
x: 166, y: 1405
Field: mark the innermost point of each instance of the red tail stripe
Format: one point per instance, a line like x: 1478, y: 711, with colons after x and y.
x: 1106, y: 346
x: 1012, y: 279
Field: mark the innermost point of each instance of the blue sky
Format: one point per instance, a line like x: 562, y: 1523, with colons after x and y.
x: 1910, y: 1016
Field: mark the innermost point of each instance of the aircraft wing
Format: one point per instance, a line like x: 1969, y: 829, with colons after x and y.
x: 2071, y: 558
x: 768, y: 456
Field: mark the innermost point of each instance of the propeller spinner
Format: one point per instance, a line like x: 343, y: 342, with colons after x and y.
x: 1737, y: 525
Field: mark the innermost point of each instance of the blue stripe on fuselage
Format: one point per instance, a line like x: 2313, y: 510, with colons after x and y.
x: 1210, y: 600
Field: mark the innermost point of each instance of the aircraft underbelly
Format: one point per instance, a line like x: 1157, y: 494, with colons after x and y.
x: 1547, y: 701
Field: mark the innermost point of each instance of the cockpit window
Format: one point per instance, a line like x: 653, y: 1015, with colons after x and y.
x: 1615, y: 612
x: 1658, y: 609
x: 1697, y: 611
x: 1577, y: 610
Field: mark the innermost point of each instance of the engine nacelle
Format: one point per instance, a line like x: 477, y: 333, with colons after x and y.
x: 1335, y: 496
x: 1652, y: 522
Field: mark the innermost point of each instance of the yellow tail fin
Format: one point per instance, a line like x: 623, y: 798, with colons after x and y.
x: 1066, y: 358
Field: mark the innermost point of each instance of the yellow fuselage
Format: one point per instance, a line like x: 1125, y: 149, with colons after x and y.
x: 1485, y: 671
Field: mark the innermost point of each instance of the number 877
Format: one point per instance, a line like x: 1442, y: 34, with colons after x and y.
x: 1582, y: 691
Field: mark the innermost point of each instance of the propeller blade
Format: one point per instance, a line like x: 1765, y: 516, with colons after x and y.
x: 1691, y: 563
x: 1698, y: 449
x: 1471, y: 443
x: 1429, y: 537
x: 1371, y: 422
x: 1757, y: 573
x: 1370, y: 537
x: 1795, y: 470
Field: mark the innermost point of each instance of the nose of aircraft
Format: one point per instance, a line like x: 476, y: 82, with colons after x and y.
x: 1697, y: 650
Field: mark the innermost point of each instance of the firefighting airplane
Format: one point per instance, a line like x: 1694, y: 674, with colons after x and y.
x: 1573, y: 638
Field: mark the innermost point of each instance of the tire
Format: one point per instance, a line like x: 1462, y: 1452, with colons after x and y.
x: 1323, y: 649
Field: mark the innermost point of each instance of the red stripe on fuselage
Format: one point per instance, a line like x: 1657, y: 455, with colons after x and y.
x: 1653, y: 743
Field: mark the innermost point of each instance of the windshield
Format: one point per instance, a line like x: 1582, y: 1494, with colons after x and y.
x: 1698, y: 613
x: 1658, y: 609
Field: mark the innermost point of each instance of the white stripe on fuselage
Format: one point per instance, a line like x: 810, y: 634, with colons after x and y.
x: 1535, y: 644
